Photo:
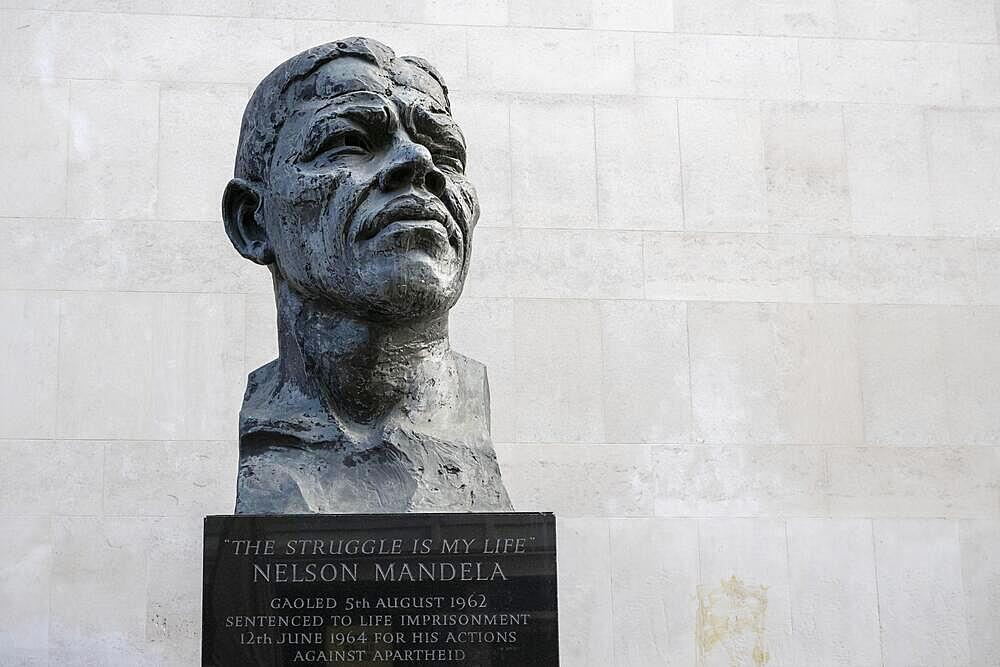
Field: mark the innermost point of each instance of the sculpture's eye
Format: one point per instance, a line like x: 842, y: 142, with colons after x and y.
x: 449, y: 161
x: 440, y: 134
x: 347, y: 142
x: 447, y: 151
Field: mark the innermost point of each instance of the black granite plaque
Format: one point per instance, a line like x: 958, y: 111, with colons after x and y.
x: 380, y: 589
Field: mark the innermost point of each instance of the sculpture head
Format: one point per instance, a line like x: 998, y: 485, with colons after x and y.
x: 350, y: 183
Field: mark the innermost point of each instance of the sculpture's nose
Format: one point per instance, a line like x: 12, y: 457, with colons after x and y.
x: 411, y: 163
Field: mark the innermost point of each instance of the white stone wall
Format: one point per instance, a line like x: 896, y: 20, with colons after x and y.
x: 737, y: 283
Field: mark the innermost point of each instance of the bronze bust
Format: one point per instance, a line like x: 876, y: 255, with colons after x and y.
x: 350, y: 187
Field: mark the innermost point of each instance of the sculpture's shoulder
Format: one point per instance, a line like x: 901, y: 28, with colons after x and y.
x: 471, y: 365
x: 473, y: 396
x: 471, y: 371
x: 272, y: 406
x: 261, y: 387
x: 434, y: 453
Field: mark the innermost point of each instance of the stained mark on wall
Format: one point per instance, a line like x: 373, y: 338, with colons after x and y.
x: 730, y: 624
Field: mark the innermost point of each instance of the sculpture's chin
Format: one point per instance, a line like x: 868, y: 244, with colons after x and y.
x: 413, y: 285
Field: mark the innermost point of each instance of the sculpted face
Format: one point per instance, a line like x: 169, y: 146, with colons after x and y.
x: 366, y: 204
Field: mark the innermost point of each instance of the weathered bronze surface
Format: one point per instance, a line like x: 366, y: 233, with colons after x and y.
x: 350, y: 187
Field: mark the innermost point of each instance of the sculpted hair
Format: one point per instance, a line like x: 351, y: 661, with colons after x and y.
x: 267, y: 109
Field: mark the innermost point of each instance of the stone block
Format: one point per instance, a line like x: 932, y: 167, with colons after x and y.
x: 879, y: 72
x: 980, y: 74
x: 950, y: 263
x: 585, y: 628
x: 485, y: 122
x: 173, y: 597
x: 29, y: 357
x: 636, y: 385
x: 728, y: 17
x: 28, y: 657
x: 775, y: 373
x: 25, y: 577
x: 554, y: 137
x: 522, y: 60
x: 654, y: 569
x: 887, y: 170
x: 484, y: 330
x: 638, y: 164
x: 965, y: 171
x: 150, y: 366
x: 221, y: 8
x: 744, y: 581
x: 722, y: 166
x: 341, y: 10
x: 645, y: 376
x: 559, y: 371
x: 951, y: 482
x: 550, y: 13
x: 261, y: 331
x: 170, y: 478
x: 903, y: 375
x: 981, y: 581
x: 637, y: 15
x: 125, y: 256
x: 832, y: 262
x: 727, y: 267
x: 556, y: 263
x: 831, y: 565
x: 113, y: 149
x: 487, y: 12
x: 98, y: 590
x: 740, y: 480
x: 926, y: 20
x: 940, y: 270
x: 805, y: 169
x: 41, y: 477
x: 800, y: 18
x: 945, y: 359
x: 896, y: 270
x: 125, y: 591
x: 579, y: 480
x: 145, y: 47
x: 199, y: 132
x: 34, y: 120
x: 921, y: 602
x: 721, y: 66
x: 106, y: 6
x: 972, y: 362
x: 988, y: 262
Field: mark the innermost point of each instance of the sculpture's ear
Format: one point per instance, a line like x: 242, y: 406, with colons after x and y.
x: 247, y: 232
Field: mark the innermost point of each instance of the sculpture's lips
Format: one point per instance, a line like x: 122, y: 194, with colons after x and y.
x: 431, y: 229
x: 411, y: 213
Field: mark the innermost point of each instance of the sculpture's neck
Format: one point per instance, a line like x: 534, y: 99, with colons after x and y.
x: 359, y: 368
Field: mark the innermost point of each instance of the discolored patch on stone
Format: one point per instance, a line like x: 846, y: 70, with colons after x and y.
x: 730, y: 625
